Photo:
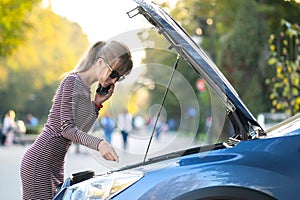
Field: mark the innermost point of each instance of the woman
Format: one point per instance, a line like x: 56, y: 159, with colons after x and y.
x: 71, y: 117
x: 9, y: 127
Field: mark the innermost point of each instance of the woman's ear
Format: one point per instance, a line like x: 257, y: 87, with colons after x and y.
x: 100, y: 63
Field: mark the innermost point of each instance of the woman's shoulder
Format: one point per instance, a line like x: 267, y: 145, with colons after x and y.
x: 77, y: 83
x: 72, y: 78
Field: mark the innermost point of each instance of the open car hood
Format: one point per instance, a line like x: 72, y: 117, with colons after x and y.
x: 241, y: 118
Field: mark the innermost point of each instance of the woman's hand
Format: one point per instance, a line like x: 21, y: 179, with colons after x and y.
x: 100, y: 98
x: 107, y: 152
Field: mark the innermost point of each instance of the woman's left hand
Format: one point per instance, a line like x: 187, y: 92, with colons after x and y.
x: 107, y: 151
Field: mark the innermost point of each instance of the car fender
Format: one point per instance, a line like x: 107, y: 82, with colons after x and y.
x: 186, y: 180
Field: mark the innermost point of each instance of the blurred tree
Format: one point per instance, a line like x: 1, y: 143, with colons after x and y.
x: 160, y: 63
x: 53, y: 47
x: 241, y: 51
x: 235, y: 34
x: 275, y: 11
x: 285, y: 58
x: 14, y: 23
x: 238, y: 36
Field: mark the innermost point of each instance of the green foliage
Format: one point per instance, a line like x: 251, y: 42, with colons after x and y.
x: 34, y: 130
x: 285, y: 59
x: 33, y: 71
x: 237, y: 39
x: 13, y: 24
x: 240, y: 55
x: 275, y: 11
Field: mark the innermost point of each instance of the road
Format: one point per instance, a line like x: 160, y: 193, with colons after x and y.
x: 10, y: 157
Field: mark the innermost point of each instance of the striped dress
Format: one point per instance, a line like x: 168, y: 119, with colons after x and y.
x: 70, y: 118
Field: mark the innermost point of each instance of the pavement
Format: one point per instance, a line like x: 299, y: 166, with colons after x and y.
x: 10, y: 157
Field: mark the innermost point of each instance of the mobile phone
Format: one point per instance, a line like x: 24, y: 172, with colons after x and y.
x: 102, y: 90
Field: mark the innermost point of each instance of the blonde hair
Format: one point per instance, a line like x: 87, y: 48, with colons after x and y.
x: 11, y: 114
x: 115, y: 53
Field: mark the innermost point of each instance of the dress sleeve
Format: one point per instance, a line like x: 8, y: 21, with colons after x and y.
x: 69, y: 128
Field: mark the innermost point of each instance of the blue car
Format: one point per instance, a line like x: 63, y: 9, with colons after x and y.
x: 252, y: 163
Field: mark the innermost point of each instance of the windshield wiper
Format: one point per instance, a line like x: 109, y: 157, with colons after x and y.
x: 161, y: 106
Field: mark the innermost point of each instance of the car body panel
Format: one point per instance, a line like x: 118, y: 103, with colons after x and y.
x: 257, y: 164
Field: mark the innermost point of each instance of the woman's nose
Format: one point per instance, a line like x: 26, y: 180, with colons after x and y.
x: 113, y: 81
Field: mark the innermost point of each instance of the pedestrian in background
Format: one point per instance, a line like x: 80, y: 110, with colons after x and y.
x: 71, y: 117
x: 125, y: 125
x: 31, y: 120
x: 9, y: 127
x: 108, y: 125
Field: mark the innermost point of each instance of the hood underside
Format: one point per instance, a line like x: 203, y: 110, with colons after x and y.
x: 240, y: 116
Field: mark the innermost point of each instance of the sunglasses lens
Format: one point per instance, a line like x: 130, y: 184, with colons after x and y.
x: 114, y: 74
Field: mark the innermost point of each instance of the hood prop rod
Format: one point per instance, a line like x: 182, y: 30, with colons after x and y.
x: 161, y: 106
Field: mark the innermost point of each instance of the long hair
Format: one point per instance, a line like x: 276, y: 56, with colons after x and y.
x: 116, y: 53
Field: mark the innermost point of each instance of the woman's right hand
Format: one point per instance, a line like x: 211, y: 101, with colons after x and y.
x: 101, y: 98
x: 107, y: 152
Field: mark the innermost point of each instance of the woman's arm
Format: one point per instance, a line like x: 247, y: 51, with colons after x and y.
x: 69, y: 98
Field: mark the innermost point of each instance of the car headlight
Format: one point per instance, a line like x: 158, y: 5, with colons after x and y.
x: 104, y: 186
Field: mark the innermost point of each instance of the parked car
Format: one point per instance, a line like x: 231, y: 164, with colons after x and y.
x: 251, y: 164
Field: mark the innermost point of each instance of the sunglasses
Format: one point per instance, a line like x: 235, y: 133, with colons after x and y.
x: 114, y: 74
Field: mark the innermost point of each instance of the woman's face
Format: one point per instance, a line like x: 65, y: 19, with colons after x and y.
x: 108, y: 75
